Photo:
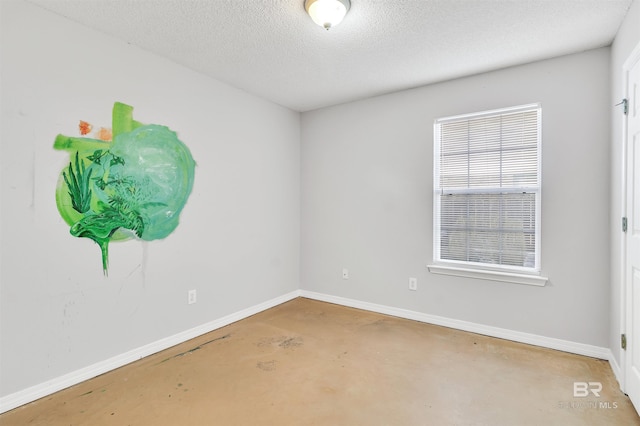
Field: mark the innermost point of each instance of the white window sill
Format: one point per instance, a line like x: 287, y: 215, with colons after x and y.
x: 507, y: 277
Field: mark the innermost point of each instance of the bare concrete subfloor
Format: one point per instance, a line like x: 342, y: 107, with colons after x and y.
x: 312, y: 363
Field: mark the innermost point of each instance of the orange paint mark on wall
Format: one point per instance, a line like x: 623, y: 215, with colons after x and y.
x: 85, y: 127
x: 104, y: 134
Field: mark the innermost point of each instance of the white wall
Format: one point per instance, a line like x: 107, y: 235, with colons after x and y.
x: 238, y: 240
x: 367, y: 181
x: 626, y: 40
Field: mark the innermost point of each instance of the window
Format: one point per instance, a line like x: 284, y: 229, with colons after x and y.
x: 487, y: 190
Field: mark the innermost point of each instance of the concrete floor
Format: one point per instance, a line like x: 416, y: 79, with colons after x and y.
x: 312, y: 363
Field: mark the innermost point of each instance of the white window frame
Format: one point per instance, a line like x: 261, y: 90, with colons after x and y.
x: 505, y: 273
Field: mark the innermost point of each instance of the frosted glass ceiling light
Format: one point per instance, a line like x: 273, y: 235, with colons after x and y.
x: 327, y: 13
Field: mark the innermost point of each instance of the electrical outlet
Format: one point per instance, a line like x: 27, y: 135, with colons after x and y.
x: 345, y: 274
x: 192, y: 297
x: 413, y: 283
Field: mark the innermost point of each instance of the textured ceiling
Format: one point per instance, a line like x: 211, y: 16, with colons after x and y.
x: 272, y: 48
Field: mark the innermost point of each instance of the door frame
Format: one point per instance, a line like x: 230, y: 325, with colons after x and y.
x: 625, y: 315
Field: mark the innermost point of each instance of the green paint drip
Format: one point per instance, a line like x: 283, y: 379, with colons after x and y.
x: 133, y: 187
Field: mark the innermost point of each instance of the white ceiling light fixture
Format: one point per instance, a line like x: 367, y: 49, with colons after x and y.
x: 327, y: 13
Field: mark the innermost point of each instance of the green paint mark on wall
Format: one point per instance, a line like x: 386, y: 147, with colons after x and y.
x: 134, y: 186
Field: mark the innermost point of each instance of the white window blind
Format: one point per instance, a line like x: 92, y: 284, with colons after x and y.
x: 487, y: 189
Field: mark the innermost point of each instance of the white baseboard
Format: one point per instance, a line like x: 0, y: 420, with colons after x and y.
x: 33, y: 393
x: 502, y: 333
x: 617, y: 371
